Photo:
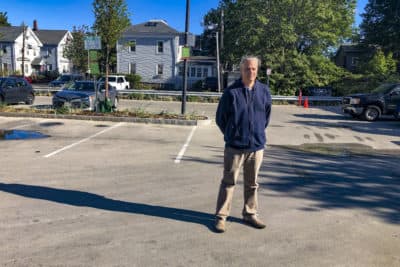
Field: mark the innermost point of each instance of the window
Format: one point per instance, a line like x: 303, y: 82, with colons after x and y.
x: 133, y: 46
x: 132, y: 68
x: 160, y: 47
x: 354, y: 61
x: 180, y: 71
x: 205, y: 72
x: 160, y: 69
x: 192, y: 72
x: 49, y: 67
x: 198, y: 72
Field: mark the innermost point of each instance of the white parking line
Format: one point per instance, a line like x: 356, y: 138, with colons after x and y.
x: 182, y: 152
x: 83, y: 140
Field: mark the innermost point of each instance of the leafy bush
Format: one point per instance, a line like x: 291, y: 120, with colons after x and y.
x: 134, y: 80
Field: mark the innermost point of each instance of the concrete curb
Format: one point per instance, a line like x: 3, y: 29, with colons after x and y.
x: 109, y: 118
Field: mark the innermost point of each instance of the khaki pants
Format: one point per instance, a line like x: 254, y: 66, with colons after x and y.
x: 234, y: 159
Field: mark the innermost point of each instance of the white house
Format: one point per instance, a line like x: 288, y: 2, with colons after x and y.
x: 52, y: 52
x: 15, y: 51
x: 43, y: 50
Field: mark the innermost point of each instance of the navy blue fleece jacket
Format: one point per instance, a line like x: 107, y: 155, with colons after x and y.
x: 243, y: 115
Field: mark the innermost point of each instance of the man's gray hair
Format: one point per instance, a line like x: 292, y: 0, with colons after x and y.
x: 247, y: 58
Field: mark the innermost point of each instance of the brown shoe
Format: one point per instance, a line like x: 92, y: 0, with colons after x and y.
x: 254, y: 221
x: 220, y: 225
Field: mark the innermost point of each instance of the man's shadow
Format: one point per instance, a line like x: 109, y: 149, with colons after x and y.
x: 85, y: 199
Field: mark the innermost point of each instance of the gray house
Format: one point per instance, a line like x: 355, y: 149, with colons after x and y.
x: 348, y: 56
x: 153, y: 50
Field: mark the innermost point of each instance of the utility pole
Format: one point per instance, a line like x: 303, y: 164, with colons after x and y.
x: 23, y: 49
x: 218, y: 63
x: 185, y: 65
x: 222, y: 28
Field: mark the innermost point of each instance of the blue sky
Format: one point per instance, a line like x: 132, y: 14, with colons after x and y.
x: 54, y: 14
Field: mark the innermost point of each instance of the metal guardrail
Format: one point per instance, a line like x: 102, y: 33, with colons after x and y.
x: 46, y: 89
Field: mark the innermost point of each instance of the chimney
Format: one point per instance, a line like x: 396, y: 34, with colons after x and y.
x: 35, y: 25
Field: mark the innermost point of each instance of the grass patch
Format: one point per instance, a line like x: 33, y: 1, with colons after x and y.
x: 137, y: 113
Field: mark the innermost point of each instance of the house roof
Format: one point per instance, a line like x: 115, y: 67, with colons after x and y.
x: 51, y: 37
x: 152, y: 26
x: 10, y: 33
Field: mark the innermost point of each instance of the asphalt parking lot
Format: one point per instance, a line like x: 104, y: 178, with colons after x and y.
x: 129, y: 194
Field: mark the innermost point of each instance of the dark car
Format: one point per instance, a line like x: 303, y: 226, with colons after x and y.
x: 384, y: 100
x: 28, y: 79
x: 65, y: 79
x: 82, y: 94
x: 14, y: 90
x: 316, y: 91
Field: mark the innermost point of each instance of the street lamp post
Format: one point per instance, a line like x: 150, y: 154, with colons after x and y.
x: 185, y: 65
x: 212, y: 27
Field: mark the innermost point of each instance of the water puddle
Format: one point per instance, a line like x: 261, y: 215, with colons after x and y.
x: 20, y: 135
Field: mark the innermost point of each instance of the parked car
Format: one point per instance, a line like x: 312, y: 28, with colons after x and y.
x: 27, y: 78
x: 14, y: 90
x: 65, y: 79
x: 383, y: 100
x: 82, y: 94
x: 315, y: 91
x: 118, y: 81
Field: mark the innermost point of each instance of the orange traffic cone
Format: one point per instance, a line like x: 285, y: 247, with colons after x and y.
x: 306, y: 102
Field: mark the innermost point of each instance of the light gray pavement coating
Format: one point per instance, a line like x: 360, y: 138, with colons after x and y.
x: 118, y: 198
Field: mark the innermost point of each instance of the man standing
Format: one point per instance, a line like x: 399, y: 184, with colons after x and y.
x: 242, y: 116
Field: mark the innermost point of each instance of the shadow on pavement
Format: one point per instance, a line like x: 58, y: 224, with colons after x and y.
x: 85, y: 199
x: 389, y: 128
x: 350, y: 181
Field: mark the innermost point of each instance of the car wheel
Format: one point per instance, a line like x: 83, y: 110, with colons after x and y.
x: 371, y: 113
x: 30, y: 99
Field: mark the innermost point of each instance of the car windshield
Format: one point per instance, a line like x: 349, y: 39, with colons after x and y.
x: 64, y: 78
x: 384, y: 88
x: 110, y: 79
x: 81, y: 86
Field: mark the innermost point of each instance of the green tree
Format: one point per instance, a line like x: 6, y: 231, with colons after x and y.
x: 4, y: 19
x: 288, y: 35
x: 111, y: 20
x: 381, y: 25
x: 75, y: 49
x: 379, y: 65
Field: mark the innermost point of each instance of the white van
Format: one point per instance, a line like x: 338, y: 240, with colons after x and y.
x: 118, y: 81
